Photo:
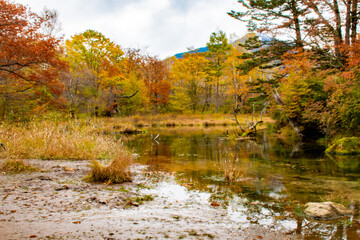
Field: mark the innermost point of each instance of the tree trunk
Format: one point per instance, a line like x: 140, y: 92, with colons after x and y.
x: 338, y: 35
x: 295, y: 13
x: 354, y: 20
x: 335, y: 31
x: 217, y: 95
x: 348, y: 22
x: 3, y: 110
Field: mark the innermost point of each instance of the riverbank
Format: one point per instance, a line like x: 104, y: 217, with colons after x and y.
x: 56, y: 203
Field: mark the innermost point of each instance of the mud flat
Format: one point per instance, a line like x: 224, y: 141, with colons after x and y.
x: 56, y: 203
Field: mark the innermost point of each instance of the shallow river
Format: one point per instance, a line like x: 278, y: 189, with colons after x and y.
x: 263, y: 182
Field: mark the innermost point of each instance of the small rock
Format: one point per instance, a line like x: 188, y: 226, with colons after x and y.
x: 215, y: 204
x: 325, y: 210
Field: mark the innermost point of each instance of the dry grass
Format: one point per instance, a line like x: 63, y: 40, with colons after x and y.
x: 51, y: 140
x: 118, y: 171
x: 16, y: 166
x: 232, y: 171
x: 77, y: 140
x: 336, y: 197
x: 186, y: 120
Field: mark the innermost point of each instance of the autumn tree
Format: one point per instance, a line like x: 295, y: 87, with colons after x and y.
x: 155, y: 76
x: 305, y: 77
x: 189, y: 79
x: 303, y: 98
x: 134, y: 82
x: 342, y: 112
x: 29, y: 60
x: 98, y: 71
x: 236, y: 81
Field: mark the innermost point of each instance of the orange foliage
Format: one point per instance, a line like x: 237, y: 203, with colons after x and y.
x: 28, y: 58
x: 353, y: 60
x: 298, y: 61
x: 155, y: 75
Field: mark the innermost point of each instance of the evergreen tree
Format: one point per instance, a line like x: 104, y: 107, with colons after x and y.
x: 218, y: 53
x: 274, y: 16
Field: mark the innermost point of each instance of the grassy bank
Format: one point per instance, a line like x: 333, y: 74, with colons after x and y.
x: 199, y: 120
x: 90, y: 138
x: 75, y: 140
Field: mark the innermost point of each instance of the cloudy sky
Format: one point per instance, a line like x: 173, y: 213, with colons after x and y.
x: 163, y: 27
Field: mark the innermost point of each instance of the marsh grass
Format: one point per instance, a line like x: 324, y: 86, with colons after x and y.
x: 16, y: 166
x: 75, y: 140
x: 336, y: 197
x: 172, y: 120
x: 118, y: 171
x: 232, y: 171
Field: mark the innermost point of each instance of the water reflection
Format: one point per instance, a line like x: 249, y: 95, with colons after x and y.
x: 263, y: 181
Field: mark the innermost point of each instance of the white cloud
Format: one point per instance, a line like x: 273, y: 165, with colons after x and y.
x: 166, y: 27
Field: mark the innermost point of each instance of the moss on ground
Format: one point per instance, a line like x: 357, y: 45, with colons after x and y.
x: 345, y: 146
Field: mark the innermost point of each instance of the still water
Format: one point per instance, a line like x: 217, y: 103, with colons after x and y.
x: 266, y: 180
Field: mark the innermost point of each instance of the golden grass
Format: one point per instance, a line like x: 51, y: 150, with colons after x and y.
x: 336, y: 197
x: 53, y: 140
x: 187, y: 120
x: 76, y: 140
x: 118, y: 171
x: 85, y: 138
x: 16, y: 166
x: 233, y: 172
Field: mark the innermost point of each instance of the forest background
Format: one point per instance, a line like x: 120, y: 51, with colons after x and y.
x: 299, y: 64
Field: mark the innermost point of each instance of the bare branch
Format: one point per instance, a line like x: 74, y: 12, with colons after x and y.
x: 129, y: 96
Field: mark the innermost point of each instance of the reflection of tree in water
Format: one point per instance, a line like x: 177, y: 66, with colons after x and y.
x: 194, y: 146
x: 270, y: 173
x: 158, y: 156
x: 267, y: 165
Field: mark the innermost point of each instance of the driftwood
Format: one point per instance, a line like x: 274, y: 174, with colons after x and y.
x: 250, y: 126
